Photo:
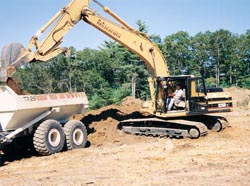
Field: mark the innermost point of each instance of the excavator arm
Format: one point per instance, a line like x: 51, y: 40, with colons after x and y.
x: 132, y: 39
x: 63, y: 21
x: 69, y: 16
x: 15, y: 55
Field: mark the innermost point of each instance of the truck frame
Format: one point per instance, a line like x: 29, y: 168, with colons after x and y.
x: 44, y: 119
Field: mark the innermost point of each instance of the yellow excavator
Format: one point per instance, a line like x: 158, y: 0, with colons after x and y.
x: 190, y: 117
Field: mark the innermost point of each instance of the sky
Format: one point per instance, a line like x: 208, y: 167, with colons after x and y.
x: 21, y: 19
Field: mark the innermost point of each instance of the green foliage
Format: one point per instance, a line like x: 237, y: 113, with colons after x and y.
x: 118, y: 94
x: 211, y: 82
x: 96, y: 102
x: 220, y: 56
x: 142, y: 27
x: 176, y: 49
x: 245, y: 82
x: 35, y: 78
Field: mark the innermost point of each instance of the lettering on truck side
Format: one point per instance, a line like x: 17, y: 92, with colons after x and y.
x: 29, y: 98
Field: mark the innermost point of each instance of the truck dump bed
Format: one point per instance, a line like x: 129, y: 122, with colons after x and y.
x: 18, y: 110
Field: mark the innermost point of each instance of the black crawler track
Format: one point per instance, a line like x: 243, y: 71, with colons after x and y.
x: 159, y: 127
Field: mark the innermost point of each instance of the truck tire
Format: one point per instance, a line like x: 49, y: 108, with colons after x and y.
x: 76, y: 134
x: 49, y: 138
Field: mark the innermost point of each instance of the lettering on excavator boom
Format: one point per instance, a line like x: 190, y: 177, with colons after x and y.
x: 107, y: 28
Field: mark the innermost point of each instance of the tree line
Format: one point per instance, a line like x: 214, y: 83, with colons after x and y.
x: 111, y: 72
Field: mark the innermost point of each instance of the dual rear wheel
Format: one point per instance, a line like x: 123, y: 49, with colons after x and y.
x: 76, y: 134
x: 50, y: 137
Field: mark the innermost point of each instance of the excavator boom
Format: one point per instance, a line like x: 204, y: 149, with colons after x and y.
x: 135, y: 41
x: 69, y: 16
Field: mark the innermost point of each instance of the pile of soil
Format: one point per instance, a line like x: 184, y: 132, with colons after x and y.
x: 103, y: 124
x: 14, y: 85
x: 241, y: 97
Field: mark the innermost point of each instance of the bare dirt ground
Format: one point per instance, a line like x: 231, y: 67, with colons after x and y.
x: 114, y: 158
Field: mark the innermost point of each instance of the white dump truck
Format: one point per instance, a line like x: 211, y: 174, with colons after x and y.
x: 43, y: 117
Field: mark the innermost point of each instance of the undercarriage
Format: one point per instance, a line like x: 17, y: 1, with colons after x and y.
x: 186, y: 127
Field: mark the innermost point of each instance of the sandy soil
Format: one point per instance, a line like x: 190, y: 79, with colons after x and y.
x: 115, y: 158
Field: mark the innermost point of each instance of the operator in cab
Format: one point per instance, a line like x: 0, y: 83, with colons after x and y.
x: 177, y: 97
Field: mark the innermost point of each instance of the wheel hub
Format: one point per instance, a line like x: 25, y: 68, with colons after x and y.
x: 54, y: 137
x: 78, y: 136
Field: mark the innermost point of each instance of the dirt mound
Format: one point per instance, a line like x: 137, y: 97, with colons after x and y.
x: 130, y: 103
x: 103, y: 123
x: 241, y: 97
x: 14, y: 85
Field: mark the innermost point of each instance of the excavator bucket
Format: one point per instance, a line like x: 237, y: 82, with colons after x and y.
x: 12, y: 55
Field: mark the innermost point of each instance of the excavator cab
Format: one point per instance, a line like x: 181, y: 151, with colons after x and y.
x: 166, y: 90
x: 196, y: 97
